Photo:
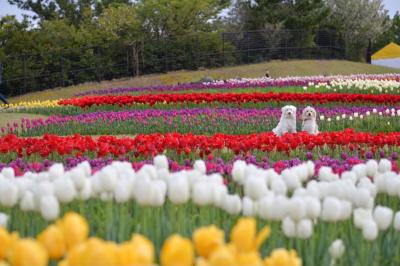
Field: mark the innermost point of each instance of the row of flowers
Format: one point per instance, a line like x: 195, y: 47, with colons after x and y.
x: 202, y: 121
x: 68, y: 242
x: 329, y: 198
x: 365, y: 85
x: 245, y: 83
x: 255, y: 97
x: 152, y: 144
x: 20, y: 167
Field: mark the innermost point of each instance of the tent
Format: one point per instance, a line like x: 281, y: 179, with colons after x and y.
x: 388, y: 56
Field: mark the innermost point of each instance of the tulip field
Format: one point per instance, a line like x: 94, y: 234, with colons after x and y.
x: 192, y: 175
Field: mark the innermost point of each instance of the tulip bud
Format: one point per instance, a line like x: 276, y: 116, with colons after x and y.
x: 349, y: 175
x: 8, y: 172
x: 49, y: 207
x: 360, y: 216
x: 232, y: 204
x: 248, y: 207
x: 202, y: 194
x: 87, y: 169
x: 64, y: 189
x: 370, y: 230
x: 291, y: 179
x: 122, y: 191
x: 178, y: 190
x: 3, y: 220
x: 297, y: 208
x: 325, y: 174
x: 278, y: 186
x: 289, y: 227
x: 384, y: 166
x: 56, y: 171
x: 313, y: 207
x: 238, y: 171
x: 331, y: 208
x: 86, y: 192
x: 311, y: 168
x: 218, y: 192
x: 337, y: 249
x: 108, y: 178
x: 255, y: 187
x: 160, y: 190
x: 360, y: 170
x: 200, y: 166
x: 78, y: 177
x: 27, y: 202
x: 304, y: 229
x: 161, y: 162
x: 383, y: 217
x: 371, y: 168
x: 8, y: 193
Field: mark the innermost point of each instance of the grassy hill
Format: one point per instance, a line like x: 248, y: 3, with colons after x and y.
x: 276, y: 69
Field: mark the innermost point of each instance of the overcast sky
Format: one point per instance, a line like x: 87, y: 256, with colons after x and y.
x: 7, y: 9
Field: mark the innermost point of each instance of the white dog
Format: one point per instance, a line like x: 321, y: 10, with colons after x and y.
x: 287, y: 123
x: 309, y: 117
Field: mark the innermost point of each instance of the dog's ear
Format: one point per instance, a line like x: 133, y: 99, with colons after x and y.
x: 295, y: 109
x: 283, y: 109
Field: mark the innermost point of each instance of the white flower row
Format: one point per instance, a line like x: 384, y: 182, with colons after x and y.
x: 388, y: 112
x: 330, y: 197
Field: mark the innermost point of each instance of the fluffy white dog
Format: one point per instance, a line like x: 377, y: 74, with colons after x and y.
x: 309, y: 117
x: 287, y: 123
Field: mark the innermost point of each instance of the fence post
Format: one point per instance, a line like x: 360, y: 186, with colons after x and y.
x: 369, y: 51
x: 24, y: 69
x: 62, y: 70
x: 223, y: 49
x: 165, y: 55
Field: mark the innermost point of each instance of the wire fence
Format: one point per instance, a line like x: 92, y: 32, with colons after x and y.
x: 58, y: 68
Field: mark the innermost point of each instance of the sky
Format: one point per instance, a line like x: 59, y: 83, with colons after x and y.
x: 6, y: 8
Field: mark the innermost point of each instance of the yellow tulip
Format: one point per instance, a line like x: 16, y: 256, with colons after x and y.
x: 53, y: 240
x: 137, y: 252
x: 207, y: 239
x: 5, y: 239
x: 28, y: 252
x: 75, y: 229
x: 283, y: 257
x: 177, y: 251
x: 3, y: 263
x: 243, y: 235
x: 93, y: 252
x: 249, y: 259
x: 222, y: 256
x: 200, y: 262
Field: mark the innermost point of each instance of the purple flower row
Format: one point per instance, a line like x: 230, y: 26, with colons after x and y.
x: 243, y: 83
x: 213, y: 165
x: 224, y: 113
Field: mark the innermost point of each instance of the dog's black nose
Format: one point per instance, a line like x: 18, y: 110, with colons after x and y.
x: 309, y: 114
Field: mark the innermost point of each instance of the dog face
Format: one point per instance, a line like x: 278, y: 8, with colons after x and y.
x: 289, y: 111
x: 309, y: 113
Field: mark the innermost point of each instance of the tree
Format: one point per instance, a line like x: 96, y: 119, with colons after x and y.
x: 358, y: 21
x: 392, y: 34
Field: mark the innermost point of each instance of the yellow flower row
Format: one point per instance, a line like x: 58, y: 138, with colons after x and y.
x: 30, y: 104
x: 68, y: 242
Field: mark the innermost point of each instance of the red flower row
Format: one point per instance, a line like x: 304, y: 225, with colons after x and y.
x: 152, y: 99
x: 150, y: 145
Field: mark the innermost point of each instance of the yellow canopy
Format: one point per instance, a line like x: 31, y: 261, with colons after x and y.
x: 391, y: 50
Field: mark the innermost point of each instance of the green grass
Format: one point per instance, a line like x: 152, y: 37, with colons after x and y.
x: 276, y: 69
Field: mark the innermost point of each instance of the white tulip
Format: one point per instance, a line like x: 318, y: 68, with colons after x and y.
x: 248, y: 207
x: 122, y: 191
x: 255, y: 187
x: 392, y: 184
x: 345, y: 210
x: 313, y: 206
x: 304, y: 229
x: 160, y: 191
x: 178, y: 190
x: 106, y: 196
x: 291, y: 179
x: 238, y: 171
x: 218, y: 192
x: 383, y: 217
x: 380, y: 182
x: 86, y: 192
x: 325, y: 174
x: 49, y: 207
x: 64, y: 190
x: 85, y: 166
x: 161, y: 162
x: 202, y: 194
x: 150, y: 170
x: 370, y: 230
x: 279, y: 208
x: 336, y: 249
x: 108, y: 178
x: 278, y: 186
x: 8, y: 193
x: 362, y: 198
x: 297, y: 208
x: 331, y: 208
x: 56, y: 171
x: 265, y: 207
x: 360, y: 216
x: 360, y: 170
x: 143, y: 191
x: 232, y: 204
x: 3, y: 220
x: 310, y: 168
x: 289, y: 227
x: 300, y: 192
x: 78, y: 176
x: 27, y: 202
x: 384, y: 165
x: 8, y: 172
x: 396, y: 222
x: 200, y: 166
